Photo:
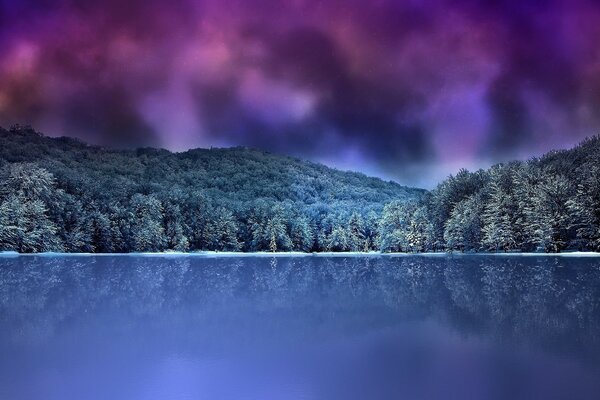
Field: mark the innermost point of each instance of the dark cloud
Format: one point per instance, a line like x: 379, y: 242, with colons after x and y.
x: 352, y: 110
x: 387, y: 87
x: 108, y: 117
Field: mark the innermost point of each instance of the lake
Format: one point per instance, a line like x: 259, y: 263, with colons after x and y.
x: 326, y: 328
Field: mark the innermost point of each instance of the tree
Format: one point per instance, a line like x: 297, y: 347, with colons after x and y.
x: 463, y: 230
x: 394, y: 226
x: 301, y: 235
x: 370, y: 229
x: 27, y: 180
x: 221, y: 231
x: 25, y: 227
x: 269, y: 229
x: 147, y: 232
x: 355, y: 233
x: 442, y: 200
x: 418, y: 235
x: 101, y: 232
x: 500, y: 228
x: 174, y: 227
x: 585, y: 209
x: 526, y: 182
x: 551, y: 215
x: 70, y: 220
x: 25, y: 191
x: 338, y: 240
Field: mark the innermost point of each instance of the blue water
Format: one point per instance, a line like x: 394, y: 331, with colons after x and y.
x: 414, y: 327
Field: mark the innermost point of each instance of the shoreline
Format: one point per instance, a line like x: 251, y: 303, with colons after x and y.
x: 224, y: 254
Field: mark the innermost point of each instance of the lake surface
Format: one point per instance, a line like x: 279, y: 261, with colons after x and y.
x: 326, y: 328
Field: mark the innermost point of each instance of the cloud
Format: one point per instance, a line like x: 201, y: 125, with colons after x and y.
x: 406, y: 90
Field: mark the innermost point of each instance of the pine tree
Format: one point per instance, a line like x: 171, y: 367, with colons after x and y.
x: 585, y: 209
x: 394, y: 227
x: 500, y: 228
x: 370, y: 230
x: 526, y: 189
x: 101, y: 234
x: 418, y: 230
x: 221, y: 231
x: 301, y: 235
x: 276, y: 233
x: 273, y: 243
x: 269, y: 230
x: 174, y: 227
x: 338, y: 240
x: 463, y: 228
x: 147, y: 232
x: 25, y: 192
x: 25, y: 227
x: 551, y: 214
x: 355, y: 233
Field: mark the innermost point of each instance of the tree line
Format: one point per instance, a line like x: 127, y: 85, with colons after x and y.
x: 36, y: 215
x: 546, y: 204
x: 63, y: 195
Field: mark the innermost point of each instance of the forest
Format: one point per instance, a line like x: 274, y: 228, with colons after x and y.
x: 62, y: 195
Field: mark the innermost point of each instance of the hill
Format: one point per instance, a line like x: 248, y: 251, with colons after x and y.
x: 62, y: 194
x: 546, y: 204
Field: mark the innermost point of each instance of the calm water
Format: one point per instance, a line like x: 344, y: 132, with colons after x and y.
x: 415, y: 327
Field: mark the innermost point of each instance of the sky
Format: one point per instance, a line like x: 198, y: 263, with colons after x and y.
x: 409, y: 90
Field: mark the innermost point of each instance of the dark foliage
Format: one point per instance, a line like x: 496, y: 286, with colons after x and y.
x: 64, y: 195
x: 547, y: 204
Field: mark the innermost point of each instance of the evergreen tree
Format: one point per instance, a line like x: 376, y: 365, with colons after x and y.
x: 463, y: 229
x: 338, y: 240
x: 585, y: 209
x: 370, y: 229
x: 269, y: 230
x: 418, y: 235
x: 500, y: 216
x: 551, y: 217
x: 394, y: 226
x: 25, y: 227
x: 174, y: 227
x: 100, y: 228
x: 355, y: 233
x: 301, y: 235
x: 147, y: 232
x: 526, y: 182
x: 221, y: 231
x: 25, y: 192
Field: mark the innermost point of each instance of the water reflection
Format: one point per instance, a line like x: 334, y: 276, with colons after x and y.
x: 409, y: 327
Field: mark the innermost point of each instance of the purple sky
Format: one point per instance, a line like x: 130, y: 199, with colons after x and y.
x: 407, y: 90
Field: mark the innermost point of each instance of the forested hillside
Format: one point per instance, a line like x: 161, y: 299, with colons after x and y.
x: 546, y: 204
x: 63, y: 195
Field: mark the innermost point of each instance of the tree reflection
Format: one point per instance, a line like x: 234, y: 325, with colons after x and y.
x: 548, y: 302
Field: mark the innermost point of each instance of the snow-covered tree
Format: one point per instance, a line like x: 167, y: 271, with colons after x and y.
x: 301, y: 235
x: 25, y: 192
x: 355, y: 233
x: 501, y: 230
x: 585, y: 209
x: 25, y: 227
x: 221, y: 231
x: 174, y: 227
x: 463, y: 228
x: 418, y: 234
x: 101, y: 231
x: 338, y: 239
x: 147, y: 232
x: 550, y: 215
x: 269, y: 229
x: 394, y: 226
